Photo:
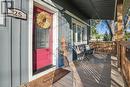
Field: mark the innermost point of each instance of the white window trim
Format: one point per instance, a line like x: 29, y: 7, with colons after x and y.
x: 75, y: 18
x: 55, y: 38
x: 82, y: 24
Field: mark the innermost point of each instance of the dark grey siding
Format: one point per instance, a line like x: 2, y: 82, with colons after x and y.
x: 5, y: 54
x: 24, y: 44
x: 16, y: 48
x: 64, y: 28
x: 65, y: 31
x: 13, y: 49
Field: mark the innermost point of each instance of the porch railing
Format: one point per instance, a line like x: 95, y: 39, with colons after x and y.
x: 123, y: 53
x: 104, y: 47
x: 121, y: 49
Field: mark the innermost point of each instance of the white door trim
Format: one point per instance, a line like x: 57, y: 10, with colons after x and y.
x: 55, y: 38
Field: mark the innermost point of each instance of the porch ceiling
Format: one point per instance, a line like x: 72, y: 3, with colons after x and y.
x: 91, y: 9
x: 96, y: 9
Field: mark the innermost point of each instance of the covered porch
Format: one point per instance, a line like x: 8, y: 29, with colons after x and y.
x: 108, y: 64
x: 101, y: 69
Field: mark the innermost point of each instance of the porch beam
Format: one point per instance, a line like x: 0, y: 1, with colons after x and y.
x: 119, y: 33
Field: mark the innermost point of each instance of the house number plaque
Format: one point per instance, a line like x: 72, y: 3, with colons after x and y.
x: 16, y: 13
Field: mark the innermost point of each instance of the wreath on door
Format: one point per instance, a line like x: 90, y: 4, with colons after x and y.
x: 43, y: 20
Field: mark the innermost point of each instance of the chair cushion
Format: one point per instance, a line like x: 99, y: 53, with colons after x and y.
x: 87, y: 47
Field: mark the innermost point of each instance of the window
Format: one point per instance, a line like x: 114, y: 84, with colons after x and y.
x: 42, y: 36
x: 84, y: 34
x: 74, y: 32
x: 79, y: 33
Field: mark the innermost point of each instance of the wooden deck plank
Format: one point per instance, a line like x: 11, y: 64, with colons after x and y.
x: 57, y: 84
x: 95, y: 72
x: 66, y: 81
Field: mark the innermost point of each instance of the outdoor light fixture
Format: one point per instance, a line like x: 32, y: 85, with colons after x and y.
x: 62, y: 11
x: 5, y: 5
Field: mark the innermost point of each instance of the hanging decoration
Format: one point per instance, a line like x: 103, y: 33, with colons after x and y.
x: 43, y: 20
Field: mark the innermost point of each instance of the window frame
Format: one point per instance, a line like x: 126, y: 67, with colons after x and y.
x: 82, y: 27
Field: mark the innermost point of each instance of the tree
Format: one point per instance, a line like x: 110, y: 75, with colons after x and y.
x: 98, y: 36
x: 107, y: 37
x: 94, y: 32
x: 110, y: 29
x: 127, y: 36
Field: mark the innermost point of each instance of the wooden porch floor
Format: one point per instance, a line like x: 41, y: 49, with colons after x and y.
x: 96, y: 71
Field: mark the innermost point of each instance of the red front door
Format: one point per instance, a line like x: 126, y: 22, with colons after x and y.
x: 42, y: 38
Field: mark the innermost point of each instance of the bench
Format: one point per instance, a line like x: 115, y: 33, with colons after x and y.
x: 88, y: 50
x: 81, y: 51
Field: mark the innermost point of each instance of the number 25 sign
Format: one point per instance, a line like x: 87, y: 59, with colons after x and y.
x: 16, y: 13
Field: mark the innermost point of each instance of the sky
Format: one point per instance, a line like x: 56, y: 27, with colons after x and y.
x: 102, y: 28
x: 128, y: 28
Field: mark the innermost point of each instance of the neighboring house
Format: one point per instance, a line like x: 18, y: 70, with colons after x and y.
x: 29, y: 48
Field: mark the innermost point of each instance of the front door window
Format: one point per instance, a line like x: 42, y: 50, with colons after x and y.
x: 42, y: 36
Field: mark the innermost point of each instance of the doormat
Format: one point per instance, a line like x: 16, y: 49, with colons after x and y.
x: 48, y: 79
x: 59, y: 74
